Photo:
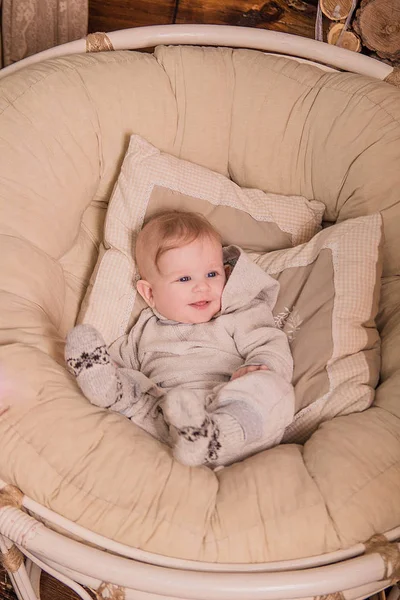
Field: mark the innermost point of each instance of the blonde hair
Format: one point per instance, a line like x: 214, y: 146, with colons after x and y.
x: 167, y: 230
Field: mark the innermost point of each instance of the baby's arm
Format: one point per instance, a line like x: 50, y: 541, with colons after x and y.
x: 125, y: 350
x: 260, y: 342
x: 107, y: 383
x: 120, y: 389
x: 87, y: 357
x: 109, y: 377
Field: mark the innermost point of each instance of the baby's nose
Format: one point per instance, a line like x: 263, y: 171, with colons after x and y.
x: 202, y: 285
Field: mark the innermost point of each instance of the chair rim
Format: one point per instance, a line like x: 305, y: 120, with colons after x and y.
x: 217, y: 35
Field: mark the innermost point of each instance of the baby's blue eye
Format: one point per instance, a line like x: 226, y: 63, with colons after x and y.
x: 183, y: 279
x: 212, y: 274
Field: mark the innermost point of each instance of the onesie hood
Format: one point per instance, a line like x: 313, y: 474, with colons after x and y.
x: 246, y: 282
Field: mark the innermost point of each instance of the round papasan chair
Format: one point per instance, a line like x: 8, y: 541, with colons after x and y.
x: 86, y: 495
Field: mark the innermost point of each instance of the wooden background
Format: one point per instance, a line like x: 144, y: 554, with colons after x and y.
x: 289, y: 16
x: 374, y: 27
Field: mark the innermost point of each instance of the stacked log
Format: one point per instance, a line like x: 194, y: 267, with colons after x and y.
x: 377, y: 22
x: 371, y: 26
x: 348, y: 39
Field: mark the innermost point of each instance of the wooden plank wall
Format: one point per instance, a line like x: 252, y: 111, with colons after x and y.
x: 289, y: 16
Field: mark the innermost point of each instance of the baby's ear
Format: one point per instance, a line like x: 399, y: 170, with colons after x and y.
x: 146, y: 291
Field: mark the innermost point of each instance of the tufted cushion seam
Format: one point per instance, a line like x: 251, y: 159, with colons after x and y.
x: 54, y: 261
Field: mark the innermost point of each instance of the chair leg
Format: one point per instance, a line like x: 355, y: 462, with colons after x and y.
x: 19, y: 578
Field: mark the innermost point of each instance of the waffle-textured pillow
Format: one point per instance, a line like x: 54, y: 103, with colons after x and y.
x: 151, y: 181
x: 327, y: 303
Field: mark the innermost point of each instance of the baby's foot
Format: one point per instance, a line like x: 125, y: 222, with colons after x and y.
x: 88, y: 359
x: 189, y: 425
x: 226, y: 439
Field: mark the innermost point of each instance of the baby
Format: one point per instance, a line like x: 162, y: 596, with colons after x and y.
x: 204, y: 369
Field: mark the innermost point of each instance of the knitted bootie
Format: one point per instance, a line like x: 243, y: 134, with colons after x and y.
x: 189, y: 425
x: 88, y: 359
x: 226, y: 440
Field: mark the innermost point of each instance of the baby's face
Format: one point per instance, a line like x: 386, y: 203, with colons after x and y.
x: 190, y: 282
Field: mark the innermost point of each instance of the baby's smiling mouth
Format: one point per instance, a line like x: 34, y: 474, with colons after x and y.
x: 200, y: 304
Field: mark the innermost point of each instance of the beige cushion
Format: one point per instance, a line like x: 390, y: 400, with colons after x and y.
x: 327, y: 304
x: 151, y: 181
x: 280, y: 126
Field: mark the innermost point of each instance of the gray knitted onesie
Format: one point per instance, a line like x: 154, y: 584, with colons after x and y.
x: 173, y: 379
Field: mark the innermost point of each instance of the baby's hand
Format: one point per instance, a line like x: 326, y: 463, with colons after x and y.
x: 244, y: 370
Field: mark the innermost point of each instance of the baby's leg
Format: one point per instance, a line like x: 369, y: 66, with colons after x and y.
x: 190, y: 426
x: 249, y: 414
x: 121, y: 390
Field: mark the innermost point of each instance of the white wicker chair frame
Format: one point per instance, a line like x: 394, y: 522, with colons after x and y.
x: 116, y: 571
x: 146, y: 576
